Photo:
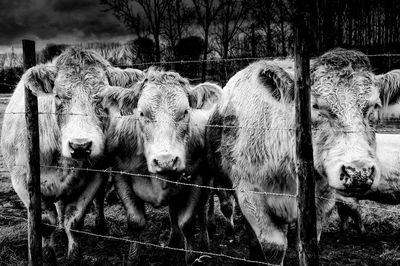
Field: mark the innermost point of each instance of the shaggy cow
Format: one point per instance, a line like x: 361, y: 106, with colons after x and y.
x: 256, y: 151
x: 71, y: 125
x: 162, y: 135
x: 388, y: 189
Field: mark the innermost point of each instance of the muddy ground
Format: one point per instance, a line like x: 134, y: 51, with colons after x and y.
x: 380, y: 246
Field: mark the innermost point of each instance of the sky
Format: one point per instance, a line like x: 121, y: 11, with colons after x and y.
x: 57, y: 21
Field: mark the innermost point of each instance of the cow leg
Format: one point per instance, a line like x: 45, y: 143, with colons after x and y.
x: 227, y: 205
x: 175, y: 235
x: 203, y: 224
x: 75, y: 213
x: 212, y: 227
x: 49, y: 223
x: 100, y: 220
x: 182, y: 211
x: 60, y: 207
x: 349, y: 210
x: 136, y: 215
x: 271, y: 237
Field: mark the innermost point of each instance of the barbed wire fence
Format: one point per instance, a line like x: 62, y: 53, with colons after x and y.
x: 183, y: 182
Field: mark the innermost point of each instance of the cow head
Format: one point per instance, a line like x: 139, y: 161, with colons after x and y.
x: 346, y: 100
x: 74, y: 78
x: 163, y: 104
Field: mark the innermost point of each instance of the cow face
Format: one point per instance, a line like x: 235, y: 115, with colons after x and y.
x: 345, y: 107
x: 74, y: 79
x: 346, y: 100
x: 163, y: 104
x: 163, y: 110
x: 79, y: 114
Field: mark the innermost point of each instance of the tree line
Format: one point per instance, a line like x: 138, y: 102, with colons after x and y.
x: 257, y: 28
x: 175, y: 30
x: 227, y: 26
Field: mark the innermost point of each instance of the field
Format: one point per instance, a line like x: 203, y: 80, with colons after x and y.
x: 380, y: 246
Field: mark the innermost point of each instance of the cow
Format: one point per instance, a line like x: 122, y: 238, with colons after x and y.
x: 156, y: 132
x: 72, y: 135
x: 253, y: 141
x: 388, y: 189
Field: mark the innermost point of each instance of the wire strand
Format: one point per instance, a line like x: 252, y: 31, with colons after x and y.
x: 108, y: 171
x: 133, y: 117
x: 150, y: 244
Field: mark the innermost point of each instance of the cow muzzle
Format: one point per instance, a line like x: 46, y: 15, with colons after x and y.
x: 80, y: 148
x: 357, y: 175
x: 166, y: 163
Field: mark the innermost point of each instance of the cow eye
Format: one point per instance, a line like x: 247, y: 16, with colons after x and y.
x: 141, y: 114
x: 377, y: 106
x: 315, y: 106
x: 57, y: 99
x: 184, y: 115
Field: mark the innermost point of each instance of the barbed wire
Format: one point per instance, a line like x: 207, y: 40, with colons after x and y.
x: 109, y: 171
x: 7, y: 84
x: 134, y: 118
x: 229, y: 60
x: 359, y: 205
x: 211, y: 60
x: 149, y: 244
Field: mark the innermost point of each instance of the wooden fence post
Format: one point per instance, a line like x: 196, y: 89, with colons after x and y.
x: 307, y: 229
x: 33, y: 166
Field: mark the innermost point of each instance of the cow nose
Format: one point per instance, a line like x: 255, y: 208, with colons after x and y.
x: 357, y: 175
x: 166, y: 163
x: 80, y: 148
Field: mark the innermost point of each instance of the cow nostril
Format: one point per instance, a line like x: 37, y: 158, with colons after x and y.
x: 80, y: 148
x: 156, y: 162
x: 371, y: 171
x: 87, y: 145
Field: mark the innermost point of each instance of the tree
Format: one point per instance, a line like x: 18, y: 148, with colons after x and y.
x: 206, y: 11
x: 227, y: 25
x: 51, y: 51
x: 189, y: 49
x: 135, y: 13
x: 176, y: 23
x: 263, y: 20
x: 144, y: 49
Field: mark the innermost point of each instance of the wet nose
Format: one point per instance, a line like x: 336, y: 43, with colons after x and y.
x: 357, y: 175
x: 80, y: 148
x: 166, y: 163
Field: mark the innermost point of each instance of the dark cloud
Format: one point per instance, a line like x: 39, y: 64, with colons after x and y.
x: 74, y: 5
x: 56, y: 21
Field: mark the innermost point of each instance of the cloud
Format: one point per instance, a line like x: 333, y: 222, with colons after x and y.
x: 57, y: 21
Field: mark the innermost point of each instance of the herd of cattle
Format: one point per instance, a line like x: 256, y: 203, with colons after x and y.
x: 163, y: 131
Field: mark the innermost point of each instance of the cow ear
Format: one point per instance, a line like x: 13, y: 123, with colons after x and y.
x: 278, y: 81
x: 125, y: 78
x: 40, y: 79
x: 119, y: 99
x: 204, y: 95
x: 389, y: 85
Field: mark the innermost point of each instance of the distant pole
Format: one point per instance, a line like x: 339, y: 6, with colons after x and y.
x: 33, y: 167
x: 307, y: 229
